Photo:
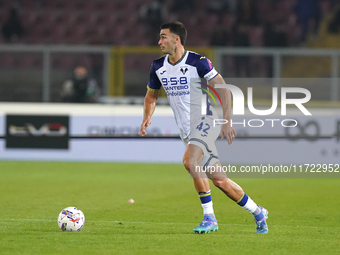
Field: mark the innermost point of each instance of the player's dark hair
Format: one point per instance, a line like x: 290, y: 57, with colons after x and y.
x: 178, y: 29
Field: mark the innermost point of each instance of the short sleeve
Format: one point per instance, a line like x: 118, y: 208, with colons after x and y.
x: 205, y: 68
x: 154, y: 84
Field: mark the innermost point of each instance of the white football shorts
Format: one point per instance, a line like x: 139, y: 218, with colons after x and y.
x: 203, y: 134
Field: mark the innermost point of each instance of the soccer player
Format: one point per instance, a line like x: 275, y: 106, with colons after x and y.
x: 175, y: 72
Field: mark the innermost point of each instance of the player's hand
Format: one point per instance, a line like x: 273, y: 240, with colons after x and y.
x: 144, y: 125
x: 228, y: 132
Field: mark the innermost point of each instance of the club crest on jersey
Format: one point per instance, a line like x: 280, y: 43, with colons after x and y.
x: 183, y: 69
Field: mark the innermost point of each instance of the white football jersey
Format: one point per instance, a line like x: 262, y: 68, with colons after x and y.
x: 181, y: 82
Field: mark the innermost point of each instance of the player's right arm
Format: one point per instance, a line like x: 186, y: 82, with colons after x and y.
x: 148, y: 110
x: 205, y: 69
x: 151, y: 97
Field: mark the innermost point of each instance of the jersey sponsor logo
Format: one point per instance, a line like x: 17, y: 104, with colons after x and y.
x: 176, y: 86
x: 179, y: 93
x: 163, y: 72
x: 202, y: 57
x: 173, y: 81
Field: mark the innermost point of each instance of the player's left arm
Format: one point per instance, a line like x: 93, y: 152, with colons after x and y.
x: 227, y: 131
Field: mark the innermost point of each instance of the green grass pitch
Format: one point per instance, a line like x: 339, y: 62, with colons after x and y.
x: 304, y: 213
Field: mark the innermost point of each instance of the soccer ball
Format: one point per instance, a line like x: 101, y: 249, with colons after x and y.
x: 71, y: 219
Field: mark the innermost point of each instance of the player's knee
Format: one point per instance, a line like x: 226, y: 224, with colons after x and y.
x: 190, y: 164
x: 186, y: 163
x: 220, y: 183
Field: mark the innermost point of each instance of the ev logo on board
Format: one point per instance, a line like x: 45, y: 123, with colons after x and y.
x: 238, y: 103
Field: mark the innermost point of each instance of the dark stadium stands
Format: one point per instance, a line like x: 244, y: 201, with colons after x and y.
x: 118, y: 22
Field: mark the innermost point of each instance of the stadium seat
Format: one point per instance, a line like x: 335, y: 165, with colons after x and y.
x: 56, y: 5
x: 65, y: 18
x: 208, y: 23
x: 107, y: 19
x: 128, y: 6
x: 28, y: 17
x: 141, y: 35
x: 228, y: 21
x: 86, y: 18
x: 117, y: 35
x: 29, y: 4
x: 57, y: 32
x: 110, y: 5
x: 76, y: 34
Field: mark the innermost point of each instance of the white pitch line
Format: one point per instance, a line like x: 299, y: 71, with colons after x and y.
x: 173, y: 223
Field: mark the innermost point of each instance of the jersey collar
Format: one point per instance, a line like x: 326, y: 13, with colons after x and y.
x: 185, y: 52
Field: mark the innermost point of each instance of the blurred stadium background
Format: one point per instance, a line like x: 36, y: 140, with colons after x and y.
x: 42, y: 42
x: 117, y: 40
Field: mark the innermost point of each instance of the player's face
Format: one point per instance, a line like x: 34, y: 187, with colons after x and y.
x: 167, y: 41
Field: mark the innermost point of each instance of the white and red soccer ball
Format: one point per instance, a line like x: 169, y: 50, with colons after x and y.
x: 71, y: 219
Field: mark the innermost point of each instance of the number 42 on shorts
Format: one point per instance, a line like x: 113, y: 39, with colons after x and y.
x: 204, y: 127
